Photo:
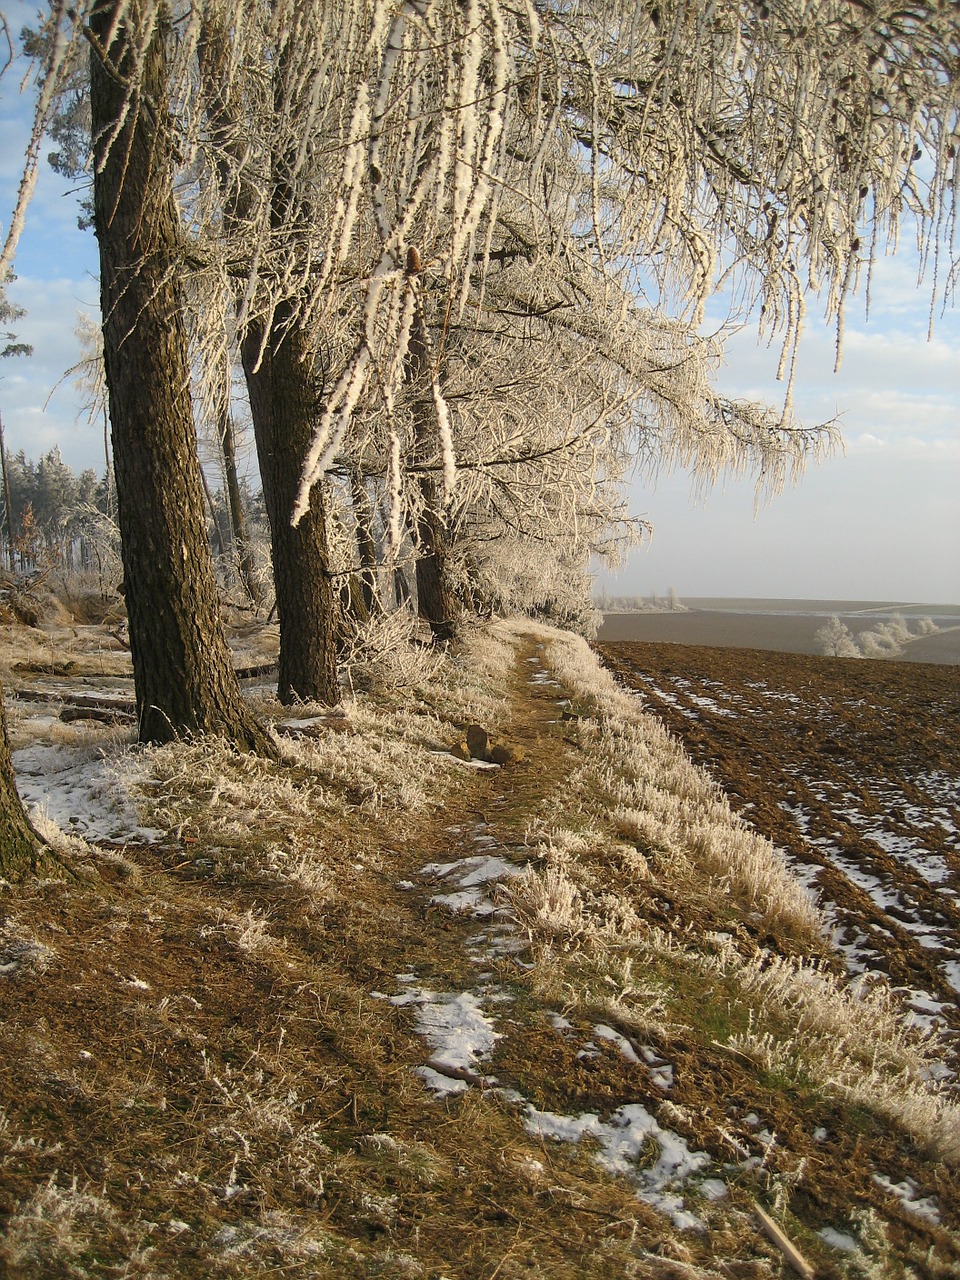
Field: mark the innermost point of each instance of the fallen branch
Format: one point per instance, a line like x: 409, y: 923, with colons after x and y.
x: 105, y: 715
x: 786, y: 1246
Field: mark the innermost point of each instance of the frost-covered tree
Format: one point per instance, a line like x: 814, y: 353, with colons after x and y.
x: 834, y: 639
x: 708, y: 140
x: 182, y: 668
x: 523, y: 289
x: 257, y: 98
x: 886, y: 639
x: 630, y: 156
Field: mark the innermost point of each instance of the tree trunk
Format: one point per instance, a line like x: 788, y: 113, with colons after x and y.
x: 185, y: 683
x: 22, y: 852
x: 214, y: 518
x: 366, y: 546
x: 282, y: 403
x: 436, y: 602
x: 238, y: 518
x: 401, y: 587
x: 278, y: 373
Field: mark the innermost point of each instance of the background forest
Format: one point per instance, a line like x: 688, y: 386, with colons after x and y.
x: 51, y: 515
x: 64, y: 525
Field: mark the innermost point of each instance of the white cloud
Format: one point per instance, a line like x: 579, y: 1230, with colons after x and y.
x: 866, y: 442
x: 40, y: 408
x: 892, y: 385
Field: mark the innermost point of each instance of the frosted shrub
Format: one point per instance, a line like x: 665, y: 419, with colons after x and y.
x: 880, y: 643
x: 382, y: 653
x: 897, y: 628
x: 887, y: 639
x: 546, y: 903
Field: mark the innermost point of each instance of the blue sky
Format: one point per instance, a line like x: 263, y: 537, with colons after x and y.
x: 880, y: 521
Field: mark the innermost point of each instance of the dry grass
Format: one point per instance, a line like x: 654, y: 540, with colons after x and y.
x: 641, y: 778
x: 853, y: 1040
x: 584, y: 908
x: 205, y: 1079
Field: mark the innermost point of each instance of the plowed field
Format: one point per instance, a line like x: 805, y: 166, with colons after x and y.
x: 852, y: 768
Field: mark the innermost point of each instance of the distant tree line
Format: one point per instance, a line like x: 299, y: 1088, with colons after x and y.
x: 53, y: 518
x: 884, y: 640
x: 654, y: 603
x: 47, y: 511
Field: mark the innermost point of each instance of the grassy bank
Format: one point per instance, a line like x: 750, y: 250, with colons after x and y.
x: 387, y: 1010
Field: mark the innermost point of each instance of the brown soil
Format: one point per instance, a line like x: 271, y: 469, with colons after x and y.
x: 852, y: 767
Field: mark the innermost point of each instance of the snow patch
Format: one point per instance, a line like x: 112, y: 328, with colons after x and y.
x: 620, y: 1042
x: 82, y: 791
x: 907, y: 1193
x: 838, y: 1239
x: 471, y: 876
x: 621, y: 1141
x: 458, y: 1030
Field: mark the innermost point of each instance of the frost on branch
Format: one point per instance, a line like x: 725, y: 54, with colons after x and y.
x: 665, y: 147
x: 574, y: 181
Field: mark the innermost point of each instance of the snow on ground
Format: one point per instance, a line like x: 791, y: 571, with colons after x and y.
x: 621, y: 1142
x: 467, y: 764
x: 838, y: 1240
x: 83, y: 789
x: 906, y: 1193
x: 951, y: 971
x: 862, y: 950
x: 472, y: 876
x: 720, y: 701
x: 460, y: 1029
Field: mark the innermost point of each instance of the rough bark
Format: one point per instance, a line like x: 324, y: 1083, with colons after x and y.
x: 436, y: 602
x: 282, y: 404
x: 183, y: 673
x: 214, y: 518
x: 212, y: 52
x: 22, y: 852
x: 401, y: 587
